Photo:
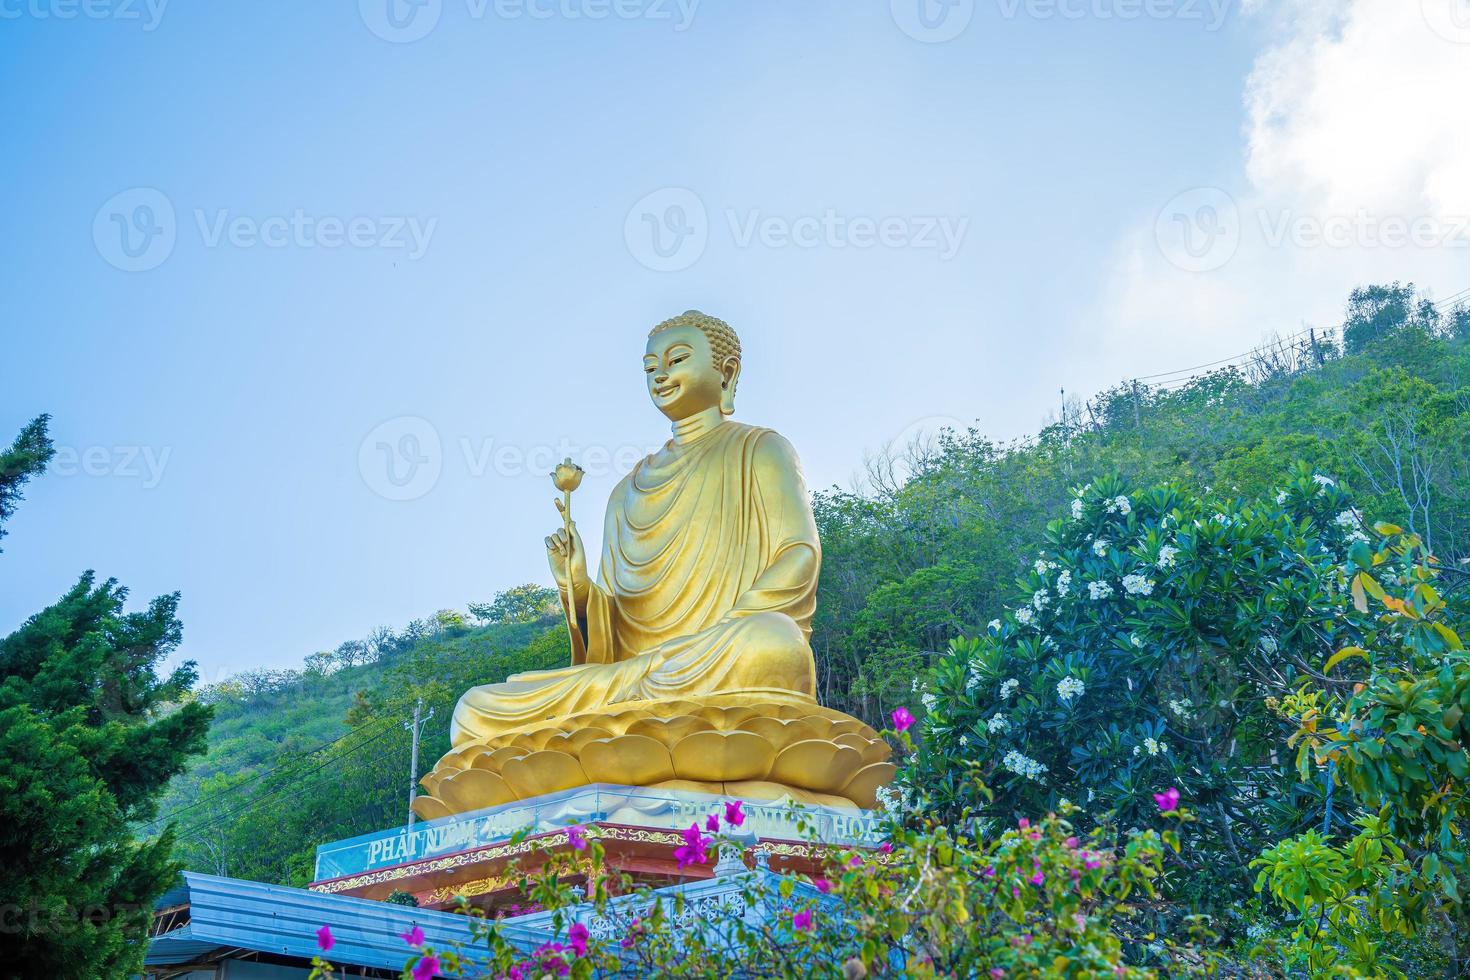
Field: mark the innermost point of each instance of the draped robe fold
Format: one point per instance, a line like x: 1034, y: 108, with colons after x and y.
x: 707, y: 585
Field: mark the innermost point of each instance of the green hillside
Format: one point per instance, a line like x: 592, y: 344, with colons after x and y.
x: 928, y: 551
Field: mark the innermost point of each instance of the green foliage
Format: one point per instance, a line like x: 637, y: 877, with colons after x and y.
x: 1387, y: 718
x: 25, y: 458
x: 301, y: 759
x: 929, y: 550
x: 1149, y: 635
x: 89, y: 736
x: 1034, y: 901
x: 521, y: 604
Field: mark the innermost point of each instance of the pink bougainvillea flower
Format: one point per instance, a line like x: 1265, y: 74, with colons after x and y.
x: 734, y: 816
x: 1072, y: 843
x: 1090, y: 860
x: 694, y: 849
x: 712, y: 823
x: 885, y: 848
x: 414, y: 937
x: 802, y: 921
x: 324, y: 938
x: 854, y: 862
x: 1168, y: 800
x: 577, y: 938
x: 1037, y: 878
x: 1023, y: 823
x: 577, y: 837
x: 822, y: 885
x: 988, y: 872
x: 997, y: 972
x: 426, y: 968
x: 902, y: 720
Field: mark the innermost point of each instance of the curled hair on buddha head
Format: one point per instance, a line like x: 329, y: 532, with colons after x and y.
x: 723, y: 344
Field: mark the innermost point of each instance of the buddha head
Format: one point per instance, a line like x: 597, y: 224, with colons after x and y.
x: 692, y: 363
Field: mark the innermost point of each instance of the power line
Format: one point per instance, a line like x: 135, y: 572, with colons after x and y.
x: 1225, y: 360
x: 218, y: 819
x: 246, y: 782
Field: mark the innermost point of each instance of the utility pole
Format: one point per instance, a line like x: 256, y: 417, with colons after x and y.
x: 416, y: 727
x: 1316, y: 351
x: 1136, y: 421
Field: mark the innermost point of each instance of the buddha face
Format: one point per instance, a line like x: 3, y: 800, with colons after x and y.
x: 683, y: 378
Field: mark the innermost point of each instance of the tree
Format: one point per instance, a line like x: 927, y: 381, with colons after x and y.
x: 89, y: 736
x: 522, y: 604
x: 26, y: 457
x: 1375, y: 312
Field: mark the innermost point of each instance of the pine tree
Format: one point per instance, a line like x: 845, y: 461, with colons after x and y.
x: 89, y: 737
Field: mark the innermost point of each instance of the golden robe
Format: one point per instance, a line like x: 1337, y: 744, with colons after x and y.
x: 707, y: 585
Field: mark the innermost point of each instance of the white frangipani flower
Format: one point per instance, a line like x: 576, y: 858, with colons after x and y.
x: 1100, y: 547
x: 1022, y: 766
x: 997, y: 723
x: 1009, y: 688
x: 1064, y: 583
x: 1167, y: 556
x: 1069, y: 688
x: 1099, y: 590
x: 1135, y: 584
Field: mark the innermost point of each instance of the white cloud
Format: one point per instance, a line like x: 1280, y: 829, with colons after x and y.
x: 1357, y: 150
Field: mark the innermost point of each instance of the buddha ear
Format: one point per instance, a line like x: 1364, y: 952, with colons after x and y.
x: 729, y: 378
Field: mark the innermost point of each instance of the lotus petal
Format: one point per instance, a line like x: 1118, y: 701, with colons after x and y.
x: 627, y: 760
x: 816, y: 764
x: 543, y: 772
x: 863, y: 788
x: 430, y: 808
x: 473, y: 789
x: 722, y: 756
x: 669, y: 731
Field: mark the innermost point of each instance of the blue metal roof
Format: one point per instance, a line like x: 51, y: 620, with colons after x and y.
x: 229, y: 913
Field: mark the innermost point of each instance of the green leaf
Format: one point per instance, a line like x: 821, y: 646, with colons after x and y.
x: 1342, y: 655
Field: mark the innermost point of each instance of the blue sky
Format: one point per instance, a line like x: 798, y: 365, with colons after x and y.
x: 259, y: 250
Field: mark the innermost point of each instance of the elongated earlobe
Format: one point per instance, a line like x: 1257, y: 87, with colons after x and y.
x: 727, y: 387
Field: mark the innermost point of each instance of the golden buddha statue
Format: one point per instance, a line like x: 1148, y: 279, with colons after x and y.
x: 691, y: 663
